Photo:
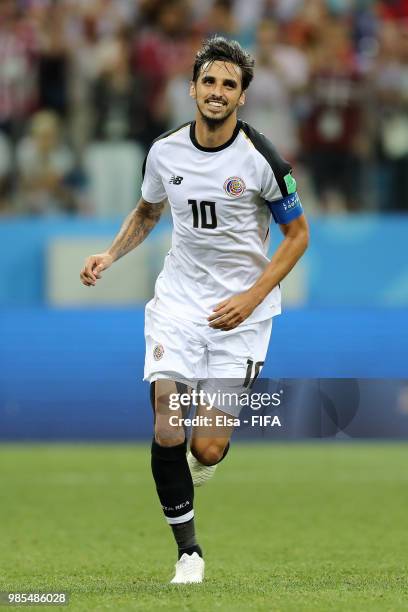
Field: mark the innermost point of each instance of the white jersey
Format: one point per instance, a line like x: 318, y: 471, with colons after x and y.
x: 221, y: 200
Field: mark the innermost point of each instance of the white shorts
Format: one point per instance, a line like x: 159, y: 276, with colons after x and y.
x: 202, y: 357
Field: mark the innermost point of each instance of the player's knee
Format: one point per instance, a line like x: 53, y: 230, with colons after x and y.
x: 169, y: 436
x: 208, y: 454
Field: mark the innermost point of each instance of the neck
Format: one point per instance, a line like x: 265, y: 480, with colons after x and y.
x: 211, y: 136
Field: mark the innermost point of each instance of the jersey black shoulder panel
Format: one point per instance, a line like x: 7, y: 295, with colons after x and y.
x: 164, y: 135
x: 280, y: 166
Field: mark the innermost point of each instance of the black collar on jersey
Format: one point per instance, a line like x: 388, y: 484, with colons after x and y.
x: 213, y: 149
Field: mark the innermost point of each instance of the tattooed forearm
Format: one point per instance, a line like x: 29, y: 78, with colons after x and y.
x: 137, y: 225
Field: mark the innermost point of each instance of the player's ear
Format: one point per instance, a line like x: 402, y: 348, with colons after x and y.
x: 193, y: 90
x: 242, y: 99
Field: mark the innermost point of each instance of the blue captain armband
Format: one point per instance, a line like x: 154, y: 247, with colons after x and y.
x: 286, y: 209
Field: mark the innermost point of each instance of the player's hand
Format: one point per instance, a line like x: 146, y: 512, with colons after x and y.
x: 94, y: 265
x: 230, y: 313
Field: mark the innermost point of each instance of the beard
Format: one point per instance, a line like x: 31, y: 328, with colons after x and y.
x: 213, y: 123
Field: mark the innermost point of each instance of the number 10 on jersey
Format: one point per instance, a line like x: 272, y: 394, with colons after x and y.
x: 203, y: 214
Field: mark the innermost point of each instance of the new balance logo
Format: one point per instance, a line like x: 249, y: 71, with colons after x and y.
x: 176, y: 180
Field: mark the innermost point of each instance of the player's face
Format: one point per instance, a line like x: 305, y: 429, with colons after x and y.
x: 218, y: 90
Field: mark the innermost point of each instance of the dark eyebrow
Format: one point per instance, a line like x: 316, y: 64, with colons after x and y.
x: 229, y: 82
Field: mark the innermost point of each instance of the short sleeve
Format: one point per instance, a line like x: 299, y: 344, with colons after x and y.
x: 152, y: 186
x: 282, y: 199
x: 277, y: 184
x: 278, y: 181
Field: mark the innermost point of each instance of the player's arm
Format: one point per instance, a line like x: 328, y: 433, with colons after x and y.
x: 290, y: 250
x: 235, y: 310
x: 137, y: 225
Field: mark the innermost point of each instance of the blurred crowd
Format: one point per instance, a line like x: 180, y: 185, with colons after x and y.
x: 85, y: 85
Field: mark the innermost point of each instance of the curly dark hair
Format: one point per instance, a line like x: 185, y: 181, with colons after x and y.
x: 217, y: 49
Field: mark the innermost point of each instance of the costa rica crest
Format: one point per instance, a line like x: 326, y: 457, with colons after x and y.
x: 234, y: 186
x: 158, y: 352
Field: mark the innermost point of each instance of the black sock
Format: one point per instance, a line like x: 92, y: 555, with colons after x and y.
x: 184, y: 534
x: 176, y: 492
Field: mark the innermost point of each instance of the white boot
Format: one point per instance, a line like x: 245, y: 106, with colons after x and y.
x: 189, y: 568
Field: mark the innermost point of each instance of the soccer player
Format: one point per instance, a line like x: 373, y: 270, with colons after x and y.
x: 211, y: 315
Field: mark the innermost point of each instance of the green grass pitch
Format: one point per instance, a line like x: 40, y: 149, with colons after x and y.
x: 293, y: 527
